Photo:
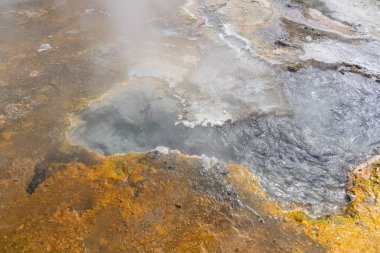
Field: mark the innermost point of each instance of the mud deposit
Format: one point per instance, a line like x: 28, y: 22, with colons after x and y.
x: 272, y: 106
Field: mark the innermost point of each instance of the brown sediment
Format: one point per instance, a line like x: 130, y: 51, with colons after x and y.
x: 298, y: 32
x: 329, y: 24
x: 145, y: 203
x: 38, y: 90
x: 358, y: 229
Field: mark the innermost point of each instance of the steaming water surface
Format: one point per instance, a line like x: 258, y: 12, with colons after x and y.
x: 196, y: 84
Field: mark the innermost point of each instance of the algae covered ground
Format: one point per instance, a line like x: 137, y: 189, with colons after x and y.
x: 150, y: 202
x: 167, y: 202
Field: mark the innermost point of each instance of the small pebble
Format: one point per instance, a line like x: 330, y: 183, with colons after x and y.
x: 44, y: 47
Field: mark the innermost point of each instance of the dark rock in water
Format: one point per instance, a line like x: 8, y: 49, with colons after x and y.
x: 295, y: 66
x: 283, y: 43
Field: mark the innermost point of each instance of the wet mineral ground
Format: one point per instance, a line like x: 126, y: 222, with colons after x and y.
x: 189, y: 126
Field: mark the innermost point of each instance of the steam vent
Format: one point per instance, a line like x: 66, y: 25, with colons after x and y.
x: 180, y: 126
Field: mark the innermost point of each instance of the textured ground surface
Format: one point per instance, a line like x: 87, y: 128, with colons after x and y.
x: 147, y: 203
x: 288, y: 89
